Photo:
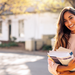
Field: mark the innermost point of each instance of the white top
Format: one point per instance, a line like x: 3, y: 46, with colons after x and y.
x: 72, y: 43
x: 71, y: 47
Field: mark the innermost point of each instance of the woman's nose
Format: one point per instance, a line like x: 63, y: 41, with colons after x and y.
x: 69, y: 22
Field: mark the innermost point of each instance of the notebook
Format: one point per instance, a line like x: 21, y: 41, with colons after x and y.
x: 61, y: 56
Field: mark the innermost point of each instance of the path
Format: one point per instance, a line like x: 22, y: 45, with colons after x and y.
x: 21, y: 63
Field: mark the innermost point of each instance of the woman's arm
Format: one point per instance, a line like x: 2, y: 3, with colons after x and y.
x: 56, y: 68
x: 66, y: 73
x: 52, y: 67
x: 70, y: 66
x: 61, y: 68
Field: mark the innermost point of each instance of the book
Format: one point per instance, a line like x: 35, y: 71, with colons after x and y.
x: 61, y: 56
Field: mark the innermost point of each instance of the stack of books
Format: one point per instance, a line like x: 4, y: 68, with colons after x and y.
x: 61, y: 56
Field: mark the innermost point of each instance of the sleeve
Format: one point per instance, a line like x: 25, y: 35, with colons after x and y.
x: 52, y: 69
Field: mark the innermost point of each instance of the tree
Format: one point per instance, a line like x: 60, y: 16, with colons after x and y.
x: 15, y: 6
x: 20, y: 6
x: 55, y: 5
x: 72, y: 2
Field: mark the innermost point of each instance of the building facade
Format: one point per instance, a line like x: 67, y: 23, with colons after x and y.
x: 28, y: 26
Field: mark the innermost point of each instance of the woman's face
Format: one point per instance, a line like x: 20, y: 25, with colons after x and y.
x: 69, y: 21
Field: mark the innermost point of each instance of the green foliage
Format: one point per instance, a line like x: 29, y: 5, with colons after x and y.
x: 56, y: 5
x: 9, y: 44
x: 20, y: 6
x: 15, y: 6
x: 47, y: 47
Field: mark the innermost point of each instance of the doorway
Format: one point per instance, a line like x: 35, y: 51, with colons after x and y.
x: 9, y: 23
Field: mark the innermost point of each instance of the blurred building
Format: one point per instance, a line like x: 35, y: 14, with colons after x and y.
x: 39, y: 27
x: 28, y: 26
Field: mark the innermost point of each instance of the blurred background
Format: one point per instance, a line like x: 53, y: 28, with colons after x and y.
x: 27, y: 30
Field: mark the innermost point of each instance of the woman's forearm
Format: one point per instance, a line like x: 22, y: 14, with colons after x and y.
x: 71, y: 73
x: 61, y: 68
x: 69, y: 67
x: 67, y: 73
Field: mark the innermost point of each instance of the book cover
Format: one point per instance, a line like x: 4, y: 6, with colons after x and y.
x: 61, y: 56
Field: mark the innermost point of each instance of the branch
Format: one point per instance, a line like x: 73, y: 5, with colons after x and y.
x: 2, y: 7
x: 72, y: 2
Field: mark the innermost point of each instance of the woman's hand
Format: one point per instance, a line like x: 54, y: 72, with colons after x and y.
x: 50, y: 62
x: 52, y: 67
x: 67, y: 73
x: 64, y: 73
x: 71, y: 64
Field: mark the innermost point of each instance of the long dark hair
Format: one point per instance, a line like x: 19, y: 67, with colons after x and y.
x: 63, y: 33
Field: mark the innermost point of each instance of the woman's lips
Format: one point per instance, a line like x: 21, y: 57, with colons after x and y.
x: 71, y: 26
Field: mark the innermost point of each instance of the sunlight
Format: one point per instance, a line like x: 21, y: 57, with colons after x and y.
x: 20, y: 69
x: 24, y: 72
x: 15, y: 64
x: 1, y: 71
x: 37, y: 58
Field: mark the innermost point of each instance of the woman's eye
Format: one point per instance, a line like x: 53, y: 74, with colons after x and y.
x: 71, y: 17
x: 65, y: 21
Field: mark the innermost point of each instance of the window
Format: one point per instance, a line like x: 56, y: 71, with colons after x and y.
x: 0, y: 28
x: 21, y: 28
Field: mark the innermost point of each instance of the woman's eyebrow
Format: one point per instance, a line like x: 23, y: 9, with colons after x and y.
x: 70, y: 16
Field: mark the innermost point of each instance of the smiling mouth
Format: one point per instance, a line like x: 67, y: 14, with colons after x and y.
x: 71, y: 26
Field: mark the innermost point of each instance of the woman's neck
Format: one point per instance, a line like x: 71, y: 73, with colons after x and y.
x: 72, y: 35
x: 72, y: 32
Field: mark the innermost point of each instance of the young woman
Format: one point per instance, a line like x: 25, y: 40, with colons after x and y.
x: 65, y: 37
